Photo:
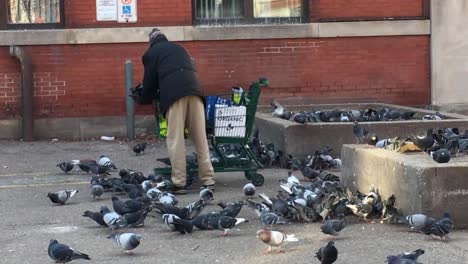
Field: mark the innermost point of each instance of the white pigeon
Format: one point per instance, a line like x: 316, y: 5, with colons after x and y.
x: 127, y: 241
x: 274, y: 238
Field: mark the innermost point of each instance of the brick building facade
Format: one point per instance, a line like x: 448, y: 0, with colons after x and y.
x: 86, y: 79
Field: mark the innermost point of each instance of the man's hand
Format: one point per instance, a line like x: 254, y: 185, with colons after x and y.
x: 136, y: 92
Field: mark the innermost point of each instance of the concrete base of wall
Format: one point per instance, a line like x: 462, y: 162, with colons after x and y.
x: 77, y: 128
x: 419, y: 184
x: 452, y: 108
x: 301, y: 140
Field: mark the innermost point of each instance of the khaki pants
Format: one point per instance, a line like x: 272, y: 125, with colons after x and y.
x: 188, y: 112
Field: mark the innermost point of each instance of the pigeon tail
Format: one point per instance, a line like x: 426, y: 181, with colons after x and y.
x: 291, y: 238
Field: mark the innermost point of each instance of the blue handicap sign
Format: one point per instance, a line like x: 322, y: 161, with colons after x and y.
x: 126, y: 10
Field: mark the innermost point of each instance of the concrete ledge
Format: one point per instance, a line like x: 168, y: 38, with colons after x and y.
x: 301, y: 140
x: 420, y: 184
x: 192, y: 33
x: 77, y: 128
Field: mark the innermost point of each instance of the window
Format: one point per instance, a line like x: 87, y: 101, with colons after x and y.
x: 212, y: 12
x: 36, y: 14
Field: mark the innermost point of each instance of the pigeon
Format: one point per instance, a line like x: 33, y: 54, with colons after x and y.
x: 127, y: 241
x: 327, y: 254
x: 98, y: 169
x: 139, y: 148
x: 231, y: 209
x: 206, y: 221
x: 183, y: 226
x: 425, y: 141
x: 61, y: 197
x: 136, y: 219
x: 407, y: 115
x: 419, y: 222
x: 105, y: 161
x: 112, y: 219
x: 249, y: 189
x: 278, y: 110
x: 441, y: 156
x: 206, y: 195
x: 226, y: 223
x: 97, y: 190
x: 411, y: 255
x: 274, y: 238
x: 441, y: 228
x: 62, y: 253
x: 435, y: 116
x: 399, y: 260
x: 129, y: 206
x: 66, y: 166
x: 96, y: 216
x: 189, y: 212
x: 359, y: 132
x: 85, y: 165
x: 168, y: 198
x: 168, y: 220
x: 332, y: 226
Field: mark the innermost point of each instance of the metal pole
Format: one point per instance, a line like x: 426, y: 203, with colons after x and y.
x: 129, y: 104
x: 26, y: 91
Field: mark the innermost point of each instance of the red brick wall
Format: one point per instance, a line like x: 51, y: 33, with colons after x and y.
x: 82, y: 13
x: 360, y: 9
x: 87, y: 80
x: 79, y: 14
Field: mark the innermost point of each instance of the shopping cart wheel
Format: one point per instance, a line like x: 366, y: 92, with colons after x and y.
x: 258, y: 180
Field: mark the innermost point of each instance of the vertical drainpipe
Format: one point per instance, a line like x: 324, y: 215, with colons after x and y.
x: 26, y: 92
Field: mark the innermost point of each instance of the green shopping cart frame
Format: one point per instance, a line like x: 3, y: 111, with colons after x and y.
x: 249, y: 164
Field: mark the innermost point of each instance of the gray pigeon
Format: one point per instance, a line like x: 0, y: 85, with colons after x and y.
x: 112, y: 219
x: 332, y: 226
x: 249, y: 189
x: 97, y: 190
x: 127, y: 241
x: 66, y: 166
x: 418, y: 222
x: 61, y: 197
x: 62, y: 253
x: 412, y: 255
x: 206, y: 195
x: 441, y: 227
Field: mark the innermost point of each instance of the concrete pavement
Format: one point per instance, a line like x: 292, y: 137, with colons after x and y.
x: 29, y: 220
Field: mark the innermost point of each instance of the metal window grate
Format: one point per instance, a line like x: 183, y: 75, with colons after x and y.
x: 34, y: 11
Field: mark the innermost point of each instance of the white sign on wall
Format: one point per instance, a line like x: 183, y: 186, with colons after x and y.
x: 106, y: 10
x: 127, y: 11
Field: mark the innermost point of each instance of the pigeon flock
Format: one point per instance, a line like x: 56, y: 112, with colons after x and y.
x: 441, y: 144
x: 318, y: 198
x: 353, y: 115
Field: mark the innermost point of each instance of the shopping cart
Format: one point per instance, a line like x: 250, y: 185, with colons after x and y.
x: 229, y: 124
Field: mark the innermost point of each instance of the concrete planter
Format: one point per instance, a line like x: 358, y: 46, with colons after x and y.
x: 301, y: 140
x: 419, y: 183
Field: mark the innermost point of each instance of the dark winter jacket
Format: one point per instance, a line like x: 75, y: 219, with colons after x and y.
x: 169, y: 75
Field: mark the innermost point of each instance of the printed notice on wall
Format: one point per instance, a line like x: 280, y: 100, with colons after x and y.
x: 106, y: 10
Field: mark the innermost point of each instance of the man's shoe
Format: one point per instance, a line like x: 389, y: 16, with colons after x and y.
x: 180, y: 190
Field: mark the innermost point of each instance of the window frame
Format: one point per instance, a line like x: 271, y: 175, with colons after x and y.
x: 4, y: 25
x: 249, y: 19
